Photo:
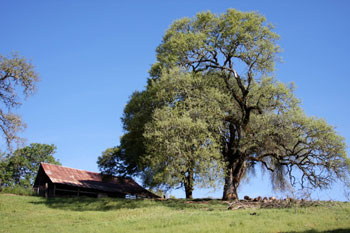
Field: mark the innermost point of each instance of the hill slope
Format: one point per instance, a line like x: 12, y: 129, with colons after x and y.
x: 36, y: 214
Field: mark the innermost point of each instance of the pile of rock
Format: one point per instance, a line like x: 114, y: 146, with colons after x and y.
x: 259, y: 199
x: 269, y: 202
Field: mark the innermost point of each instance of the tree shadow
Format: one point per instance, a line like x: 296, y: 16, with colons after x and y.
x: 327, y: 231
x: 108, y: 204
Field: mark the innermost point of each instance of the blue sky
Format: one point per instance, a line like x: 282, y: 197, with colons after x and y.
x: 92, y: 55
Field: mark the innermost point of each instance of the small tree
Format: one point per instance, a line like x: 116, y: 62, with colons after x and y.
x: 181, y: 150
x: 21, y: 167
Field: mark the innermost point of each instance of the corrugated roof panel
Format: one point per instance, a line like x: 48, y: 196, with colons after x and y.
x: 93, y: 180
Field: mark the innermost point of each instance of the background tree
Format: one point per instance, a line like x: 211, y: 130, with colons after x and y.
x: 240, y: 49
x: 137, y: 113
x: 21, y: 167
x: 127, y: 159
x: 134, y: 156
x: 16, y: 74
x: 110, y: 162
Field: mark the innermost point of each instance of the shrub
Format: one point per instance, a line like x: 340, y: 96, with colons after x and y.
x: 18, y: 190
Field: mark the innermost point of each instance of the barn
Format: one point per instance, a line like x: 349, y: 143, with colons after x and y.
x: 59, y: 181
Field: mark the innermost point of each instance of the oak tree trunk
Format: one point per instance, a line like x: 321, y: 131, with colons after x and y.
x: 234, y: 174
x: 189, y: 184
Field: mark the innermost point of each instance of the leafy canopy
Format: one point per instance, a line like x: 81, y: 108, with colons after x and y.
x: 21, y: 167
x: 180, y: 148
x: 262, y: 122
x: 16, y: 75
x: 212, y: 107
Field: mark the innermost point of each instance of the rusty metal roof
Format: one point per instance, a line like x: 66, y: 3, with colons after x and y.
x: 93, y: 180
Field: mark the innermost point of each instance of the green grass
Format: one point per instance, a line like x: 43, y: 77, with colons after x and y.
x: 36, y: 214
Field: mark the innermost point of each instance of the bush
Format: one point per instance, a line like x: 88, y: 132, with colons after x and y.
x: 18, y: 190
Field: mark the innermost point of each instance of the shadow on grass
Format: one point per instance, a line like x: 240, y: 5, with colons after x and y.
x: 107, y: 204
x: 316, y: 231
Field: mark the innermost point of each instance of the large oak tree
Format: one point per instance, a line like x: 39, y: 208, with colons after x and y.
x: 255, y: 119
x: 265, y: 126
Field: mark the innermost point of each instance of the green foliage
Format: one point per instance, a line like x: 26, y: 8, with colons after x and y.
x: 261, y: 121
x: 137, y: 113
x: 302, y: 143
x: 20, y: 168
x: 207, y: 40
x: 16, y: 74
x: 109, y: 162
x: 17, y: 190
x: 212, y: 108
x: 178, y: 140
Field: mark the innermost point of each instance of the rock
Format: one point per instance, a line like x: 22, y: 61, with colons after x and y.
x: 257, y: 199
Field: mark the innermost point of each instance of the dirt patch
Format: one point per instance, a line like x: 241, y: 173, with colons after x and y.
x: 8, y: 194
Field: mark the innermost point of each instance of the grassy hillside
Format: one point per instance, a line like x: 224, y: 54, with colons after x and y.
x: 35, y: 214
